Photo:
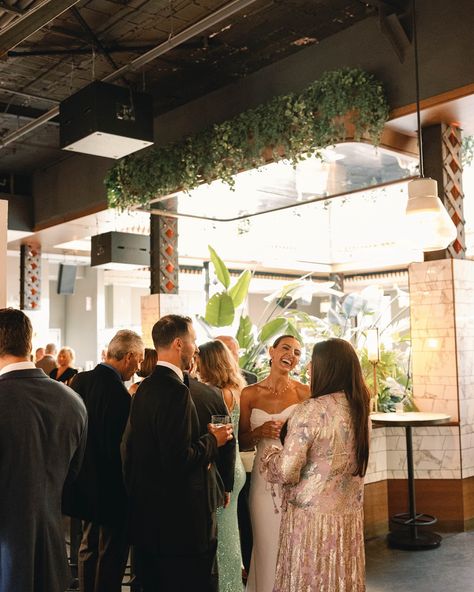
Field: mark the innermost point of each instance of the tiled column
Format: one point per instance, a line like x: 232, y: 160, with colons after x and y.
x: 442, y: 331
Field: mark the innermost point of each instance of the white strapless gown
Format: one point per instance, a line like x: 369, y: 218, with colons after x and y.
x: 265, y: 521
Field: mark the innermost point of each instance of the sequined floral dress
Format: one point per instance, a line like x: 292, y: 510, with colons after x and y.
x: 229, y: 558
x: 321, y: 534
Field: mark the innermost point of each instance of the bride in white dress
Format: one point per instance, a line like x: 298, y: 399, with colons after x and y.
x: 264, y: 408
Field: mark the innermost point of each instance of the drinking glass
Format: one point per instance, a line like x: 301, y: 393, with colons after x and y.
x: 220, y: 420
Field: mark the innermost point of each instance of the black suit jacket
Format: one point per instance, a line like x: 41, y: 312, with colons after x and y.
x: 98, y: 495
x: 208, y: 401
x: 249, y: 377
x: 166, y: 468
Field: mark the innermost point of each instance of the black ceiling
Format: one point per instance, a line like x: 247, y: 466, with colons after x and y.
x: 92, y: 38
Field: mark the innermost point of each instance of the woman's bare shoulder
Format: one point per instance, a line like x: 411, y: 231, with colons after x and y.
x: 302, y: 390
x: 251, y: 392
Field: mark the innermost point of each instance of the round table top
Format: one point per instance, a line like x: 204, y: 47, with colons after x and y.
x: 409, y: 418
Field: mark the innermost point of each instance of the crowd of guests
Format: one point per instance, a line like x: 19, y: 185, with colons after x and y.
x: 158, y: 466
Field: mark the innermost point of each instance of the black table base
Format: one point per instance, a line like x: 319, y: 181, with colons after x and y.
x: 399, y: 539
x: 407, y: 534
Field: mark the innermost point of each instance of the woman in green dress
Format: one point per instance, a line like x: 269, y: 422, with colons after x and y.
x: 218, y: 368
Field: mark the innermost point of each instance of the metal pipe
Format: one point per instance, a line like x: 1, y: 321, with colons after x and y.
x: 188, y: 33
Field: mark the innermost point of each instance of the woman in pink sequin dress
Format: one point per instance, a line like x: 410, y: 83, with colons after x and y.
x: 320, y: 470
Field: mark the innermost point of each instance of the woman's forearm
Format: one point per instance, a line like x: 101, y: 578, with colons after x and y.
x: 248, y: 440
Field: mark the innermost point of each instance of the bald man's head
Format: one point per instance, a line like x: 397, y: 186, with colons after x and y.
x: 231, y: 343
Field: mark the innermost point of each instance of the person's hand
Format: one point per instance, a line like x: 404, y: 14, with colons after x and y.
x: 222, y: 433
x: 226, y: 499
x: 269, y: 429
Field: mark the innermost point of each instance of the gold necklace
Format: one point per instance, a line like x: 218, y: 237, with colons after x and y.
x: 274, y: 391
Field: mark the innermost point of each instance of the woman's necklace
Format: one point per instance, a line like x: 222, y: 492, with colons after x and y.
x: 274, y: 391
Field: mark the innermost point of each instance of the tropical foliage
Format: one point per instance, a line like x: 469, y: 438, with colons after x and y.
x: 349, y: 317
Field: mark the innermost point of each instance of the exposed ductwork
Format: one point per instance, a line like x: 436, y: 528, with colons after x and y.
x: 188, y: 33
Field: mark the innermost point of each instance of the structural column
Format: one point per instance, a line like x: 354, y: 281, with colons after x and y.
x: 164, y: 272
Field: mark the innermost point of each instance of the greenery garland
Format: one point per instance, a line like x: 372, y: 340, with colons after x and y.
x: 467, y: 152
x: 292, y: 126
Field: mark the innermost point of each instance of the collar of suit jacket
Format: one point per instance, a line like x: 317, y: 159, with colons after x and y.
x: 178, y: 371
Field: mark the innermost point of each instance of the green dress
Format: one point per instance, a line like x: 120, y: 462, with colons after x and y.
x: 229, y: 557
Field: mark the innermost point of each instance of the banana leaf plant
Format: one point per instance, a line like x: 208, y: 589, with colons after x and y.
x: 277, y: 318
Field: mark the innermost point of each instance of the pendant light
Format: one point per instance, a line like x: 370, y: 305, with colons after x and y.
x: 429, y: 225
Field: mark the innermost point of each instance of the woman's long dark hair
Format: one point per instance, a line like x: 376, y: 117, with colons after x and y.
x: 336, y: 367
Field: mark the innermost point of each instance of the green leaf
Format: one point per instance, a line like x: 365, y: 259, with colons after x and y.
x: 222, y: 272
x: 272, y: 328
x: 220, y: 310
x: 240, y: 289
x: 244, y: 333
x: 292, y: 330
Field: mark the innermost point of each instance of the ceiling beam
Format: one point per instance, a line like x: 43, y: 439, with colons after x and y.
x: 31, y: 21
x: 78, y: 51
x: 11, y: 9
x: 9, y: 110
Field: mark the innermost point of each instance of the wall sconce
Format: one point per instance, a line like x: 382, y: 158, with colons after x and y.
x: 373, y: 355
x: 429, y: 225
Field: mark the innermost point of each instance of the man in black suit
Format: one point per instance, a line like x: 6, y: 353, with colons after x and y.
x: 166, y: 468
x: 208, y: 402
x: 243, y: 509
x: 43, y: 426
x: 98, y: 496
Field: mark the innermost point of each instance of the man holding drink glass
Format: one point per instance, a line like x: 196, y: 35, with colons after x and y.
x: 166, y: 470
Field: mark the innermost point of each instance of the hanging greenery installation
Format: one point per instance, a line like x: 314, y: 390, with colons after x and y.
x: 292, y: 126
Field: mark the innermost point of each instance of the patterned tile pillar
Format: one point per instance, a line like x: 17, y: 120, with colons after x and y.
x: 164, y: 254
x: 30, y: 277
x: 442, y: 161
x: 163, y: 273
x: 3, y: 252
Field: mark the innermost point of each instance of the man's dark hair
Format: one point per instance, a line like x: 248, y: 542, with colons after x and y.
x: 168, y: 328
x: 16, y: 333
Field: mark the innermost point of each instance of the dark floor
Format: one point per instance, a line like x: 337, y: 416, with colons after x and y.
x: 448, y: 568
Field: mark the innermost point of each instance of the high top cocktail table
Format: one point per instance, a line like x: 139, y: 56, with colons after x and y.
x: 409, y: 536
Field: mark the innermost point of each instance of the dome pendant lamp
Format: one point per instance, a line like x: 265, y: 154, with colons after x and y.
x: 430, y: 227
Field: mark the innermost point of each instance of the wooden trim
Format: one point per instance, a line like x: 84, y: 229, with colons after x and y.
x: 375, y: 509
x: 451, y: 95
x: 71, y: 216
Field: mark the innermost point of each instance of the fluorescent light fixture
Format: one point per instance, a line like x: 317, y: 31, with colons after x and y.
x: 104, y: 144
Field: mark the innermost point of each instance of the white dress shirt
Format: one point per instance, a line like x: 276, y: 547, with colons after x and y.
x: 17, y: 366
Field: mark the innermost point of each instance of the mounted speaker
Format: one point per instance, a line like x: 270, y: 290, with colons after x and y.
x: 120, y: 250
x: 106, y: 120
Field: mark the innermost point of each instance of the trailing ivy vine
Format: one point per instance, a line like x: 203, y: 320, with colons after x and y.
x: 291, y: 126
x: 467, y: 152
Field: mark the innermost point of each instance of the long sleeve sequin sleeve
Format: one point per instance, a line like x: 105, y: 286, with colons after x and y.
x: 284, y: 466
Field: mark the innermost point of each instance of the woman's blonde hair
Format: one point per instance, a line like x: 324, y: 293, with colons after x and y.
x: 218, y: 367
x: 69, y: 351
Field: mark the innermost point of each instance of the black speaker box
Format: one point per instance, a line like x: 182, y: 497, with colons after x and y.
x: 120, y: 250
x: 106, y: 120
